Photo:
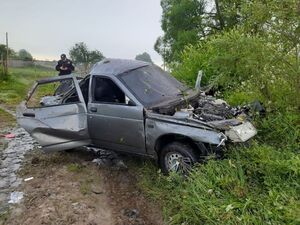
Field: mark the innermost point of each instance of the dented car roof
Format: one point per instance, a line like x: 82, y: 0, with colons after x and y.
x: 114, y: 67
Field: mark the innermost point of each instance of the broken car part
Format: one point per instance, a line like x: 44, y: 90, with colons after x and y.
x: 135, y: 107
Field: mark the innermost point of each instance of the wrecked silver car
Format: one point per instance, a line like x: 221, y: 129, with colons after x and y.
x: 134, y: 107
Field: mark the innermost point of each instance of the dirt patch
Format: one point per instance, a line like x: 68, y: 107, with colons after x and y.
x: 129, y: 204
x: 67, y: 188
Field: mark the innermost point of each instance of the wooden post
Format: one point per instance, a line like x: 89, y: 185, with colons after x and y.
x: 2, y: 66
x: 6, y: 63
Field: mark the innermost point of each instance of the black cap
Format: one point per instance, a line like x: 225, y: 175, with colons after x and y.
x: 63, y: 56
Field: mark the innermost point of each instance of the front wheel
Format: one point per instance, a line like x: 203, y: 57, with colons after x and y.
x: 177, y: 157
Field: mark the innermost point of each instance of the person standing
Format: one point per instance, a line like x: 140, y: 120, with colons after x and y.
x: 64, y: 65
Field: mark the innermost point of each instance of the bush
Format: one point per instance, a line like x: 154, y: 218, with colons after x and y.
x: 237, y: 63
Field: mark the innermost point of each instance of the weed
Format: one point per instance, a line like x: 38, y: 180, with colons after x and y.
x: 85, y: 186
x: 75, y: 168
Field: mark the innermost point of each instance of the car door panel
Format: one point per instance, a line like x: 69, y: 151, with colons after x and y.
x: 57, y: 127
x: 114, y: 126
x: 117, y: 127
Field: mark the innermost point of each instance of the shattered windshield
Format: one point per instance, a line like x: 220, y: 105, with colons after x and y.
x: 151, y: 85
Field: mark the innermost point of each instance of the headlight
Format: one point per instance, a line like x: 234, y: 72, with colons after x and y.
x: 241, y: 133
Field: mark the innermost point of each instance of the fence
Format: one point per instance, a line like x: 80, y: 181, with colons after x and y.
x: 14, y: 63
x: 19, y: 63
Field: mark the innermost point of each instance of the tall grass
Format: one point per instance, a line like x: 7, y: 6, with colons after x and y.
x: 257, y: 185
x: 14, y: 89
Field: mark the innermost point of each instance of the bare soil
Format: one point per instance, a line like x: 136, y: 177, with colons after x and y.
x: 67, y: 188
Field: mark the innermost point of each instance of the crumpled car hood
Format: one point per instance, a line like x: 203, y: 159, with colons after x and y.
x: 214, y: 114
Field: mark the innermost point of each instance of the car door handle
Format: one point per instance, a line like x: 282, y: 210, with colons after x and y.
x: 29, y: 114
x: 93, y: 109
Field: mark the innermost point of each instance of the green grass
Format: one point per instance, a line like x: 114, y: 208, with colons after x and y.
x: 15, y: 88
x: 257, y: 185
x: 75, y: 167
x: 6, y: 119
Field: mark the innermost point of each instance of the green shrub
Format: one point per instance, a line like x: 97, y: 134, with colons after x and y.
x: 235, y: 62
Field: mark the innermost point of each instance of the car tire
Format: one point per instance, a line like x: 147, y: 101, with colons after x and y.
x: 177, y: 157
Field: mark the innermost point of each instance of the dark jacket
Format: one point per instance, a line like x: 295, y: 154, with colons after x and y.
x: 67, y: 64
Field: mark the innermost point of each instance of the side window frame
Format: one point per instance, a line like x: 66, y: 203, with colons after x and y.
x: 37, y: 84
x: 92, y: 91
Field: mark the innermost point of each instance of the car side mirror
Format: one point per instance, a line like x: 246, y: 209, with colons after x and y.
x: 131, y: 103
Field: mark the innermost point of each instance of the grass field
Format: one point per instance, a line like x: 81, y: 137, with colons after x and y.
x: 15, y: 88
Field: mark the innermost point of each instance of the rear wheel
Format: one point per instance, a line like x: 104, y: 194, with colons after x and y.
x: 177, y: 157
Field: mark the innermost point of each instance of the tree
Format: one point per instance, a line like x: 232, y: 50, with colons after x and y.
x: 24, y: 55
x: 181, y: 23
x: 3, y: 52
x: 144, y: 57
x: 80, y: 53
x: 277, y: 21
x: 185, y: 22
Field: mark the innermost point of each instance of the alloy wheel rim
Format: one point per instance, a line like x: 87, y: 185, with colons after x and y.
x: 176, y: 162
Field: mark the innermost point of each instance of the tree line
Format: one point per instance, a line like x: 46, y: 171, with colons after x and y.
x: 186, y: 22
x: 12, y: 54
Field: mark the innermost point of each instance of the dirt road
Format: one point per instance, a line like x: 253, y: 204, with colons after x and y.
x: 68, y: 188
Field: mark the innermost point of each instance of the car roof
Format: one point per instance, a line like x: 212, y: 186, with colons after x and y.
x: 114, y: 67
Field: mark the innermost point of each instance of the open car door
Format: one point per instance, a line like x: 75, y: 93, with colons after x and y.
x: 55, y: 114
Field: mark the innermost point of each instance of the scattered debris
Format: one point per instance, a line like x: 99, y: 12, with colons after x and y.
x: 108, y: 159
x: 97, y: 189
x: 9, y: 136
x: 28, y: 179
x: 132, y: 214
x: 15, y: 197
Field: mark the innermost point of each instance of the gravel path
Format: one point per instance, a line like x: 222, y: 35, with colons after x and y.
x: 10, y: 162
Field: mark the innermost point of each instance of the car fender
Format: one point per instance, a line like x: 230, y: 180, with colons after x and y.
x: 155, y: 129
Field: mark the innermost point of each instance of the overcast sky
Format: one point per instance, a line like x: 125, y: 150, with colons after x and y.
x: 47, y: 28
